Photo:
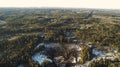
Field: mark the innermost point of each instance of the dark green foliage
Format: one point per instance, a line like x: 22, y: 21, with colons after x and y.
x: 86, y: 54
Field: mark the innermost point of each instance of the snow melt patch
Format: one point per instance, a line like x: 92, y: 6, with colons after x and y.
x: 40, y: 58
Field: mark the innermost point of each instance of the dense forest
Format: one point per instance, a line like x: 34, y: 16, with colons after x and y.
x: 57, y: 37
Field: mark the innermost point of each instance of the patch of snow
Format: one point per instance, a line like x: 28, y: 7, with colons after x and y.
x: 98, y: 53
x: 50, y: 45
x: 41, y: 44
x: 74, y: 60
x: 40, y: 58
x: 75, y: 40
x: 115, y: 51
x: 73, y: 46
x: 78, y: 48
x: 101, y: 55
x: 78, y: 59
x: 59, y: 59
x: 2, y: 22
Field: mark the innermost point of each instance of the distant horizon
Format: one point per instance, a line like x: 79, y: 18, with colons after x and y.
x: 95, y: 4
x: 60, y: 8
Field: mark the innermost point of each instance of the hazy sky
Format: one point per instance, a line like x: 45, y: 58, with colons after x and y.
x: 114, y: 4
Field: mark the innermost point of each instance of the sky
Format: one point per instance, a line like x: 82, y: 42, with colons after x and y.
x: 109, y: 4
